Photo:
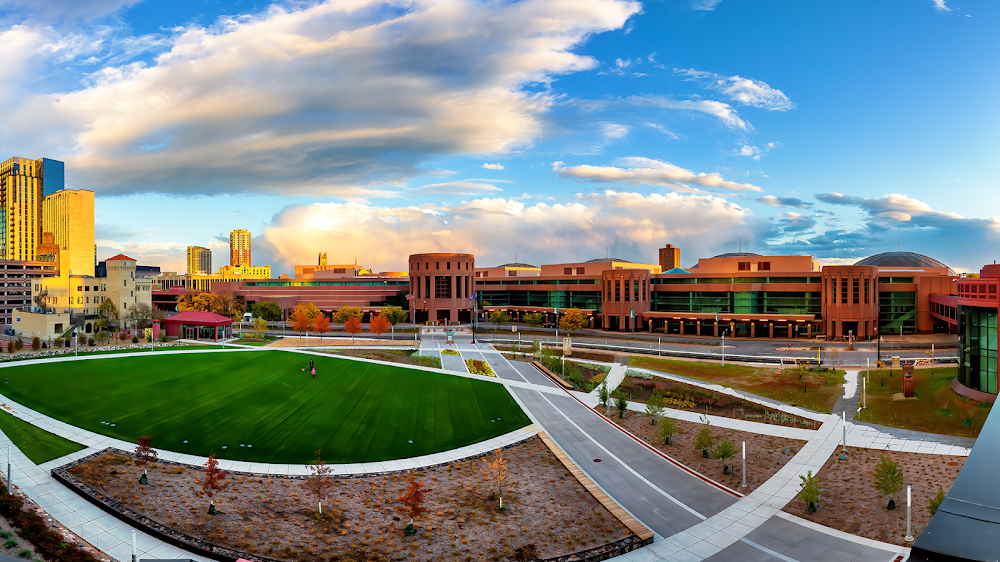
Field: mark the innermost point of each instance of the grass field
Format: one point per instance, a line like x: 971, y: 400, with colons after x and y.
x: 353, y: 411
x: 815, y: 390
x: 936, y: 409
x: 37, y: 444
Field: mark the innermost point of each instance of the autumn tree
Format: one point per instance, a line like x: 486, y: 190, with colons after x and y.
x: 353, y: 325
x: 379, y: 325
x: 319, y: 476
x: 107, y: 316
x: 572, y: 320
x: 345, y: 313
x: 302, y: 322
x: 142, y: 316
x: 228, y: 304
x: 212, y: 482
x: 413, y: 499
x: 144, y: 455
x: 394, y: 314
x: 497, y: 473
x: 260, y: 327
x: 308, y: 309
x: 534, y: 318
x: 321, y: 324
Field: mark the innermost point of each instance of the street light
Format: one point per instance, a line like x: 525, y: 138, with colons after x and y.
x: 723, y: 347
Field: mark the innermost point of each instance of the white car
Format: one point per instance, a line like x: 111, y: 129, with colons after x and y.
x: 248, y: 317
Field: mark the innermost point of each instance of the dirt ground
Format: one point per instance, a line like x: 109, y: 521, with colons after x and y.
x: 848, y: 501
x: 404, y: 357
x: 363, y: 517
x: 765, y: 454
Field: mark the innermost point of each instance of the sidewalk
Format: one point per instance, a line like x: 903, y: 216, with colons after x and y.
x: 614, y: 378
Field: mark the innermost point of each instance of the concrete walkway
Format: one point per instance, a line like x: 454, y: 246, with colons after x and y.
x: 614, y: 378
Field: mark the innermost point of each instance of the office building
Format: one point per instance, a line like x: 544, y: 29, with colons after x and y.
x: 239, y: 247
x: 199, y: 260
x: 670, y: 258
x: 23, y: 185
x: 69, y: 216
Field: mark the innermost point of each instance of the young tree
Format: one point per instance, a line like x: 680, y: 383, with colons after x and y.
x: 889, y: 479
x: 621, y: 403
x: 667, y: 429
x: 319, y: 476
x: 413, y: 499
x: 144, y: 455
x: 229, y: 304
x: 654, y: 406
x: 107, y: 316
x: 142, y: 316
x: 36, y: 343
x: 379, y: 325
x: 269, y: 311
x: 725, y: 450
x: 535, y: 348
x: 572, y: 320
x: 603, y: 394
x: 260, y: 327
x: 321, y: 324
x: 498, y: 317
x: 10, y: 346
x: 353, y: 325
x: 301, y: 320
x: 345, y: 313
x: 936, y: 502
x: 212, y: 481
x: 534, y: 319
x: 18, y: 344
x: 810, y: 491
x: 496, y: 472
x: 394, y: 314
x: 704, y: 439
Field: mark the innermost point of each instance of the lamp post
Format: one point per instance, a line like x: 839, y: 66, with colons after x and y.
x: 909, y: 531
x: 744, y: 464
x: 723, y: 348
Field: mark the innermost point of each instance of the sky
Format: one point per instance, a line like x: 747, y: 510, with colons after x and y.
x: 535, y: 131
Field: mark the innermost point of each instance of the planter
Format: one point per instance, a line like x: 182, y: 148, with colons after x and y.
x: 812, y: 507
x: 667, y: 441
x: 704, y: 453
x: 725, y: 469
x: 892, y: 504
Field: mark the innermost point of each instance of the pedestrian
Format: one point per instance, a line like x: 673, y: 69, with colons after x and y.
x: 314, y: 373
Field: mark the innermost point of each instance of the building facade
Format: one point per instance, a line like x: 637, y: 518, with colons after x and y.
x: 199, y: 260
x: 69, y: 216
x: 442, y: 287
x: 239, y: 248
x: 670, y: 258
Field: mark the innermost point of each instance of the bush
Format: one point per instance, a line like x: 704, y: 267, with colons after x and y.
x: 48, y: 543
x: 936, y: 502
x: 704, y: 439
x: 135, y: 339
x: 621, y: 403
x: 123, y: 336
x: 888, y: 479
x: 26, y: 554
x: 36, y: 343
x: 810, y: 490
x: 19, y: 344
x: 11, y: 543
x: 44, y: 346
x: 91, y: 342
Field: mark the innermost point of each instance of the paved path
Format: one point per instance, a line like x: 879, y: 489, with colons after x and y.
x: 614, y: 378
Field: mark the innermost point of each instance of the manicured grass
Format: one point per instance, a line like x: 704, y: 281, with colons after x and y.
x: 37, y: 444
x: 815, y: 390
x: 354, y: 411
x: 937, y: 409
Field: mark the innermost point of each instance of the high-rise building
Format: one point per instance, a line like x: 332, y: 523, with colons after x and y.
x: 199, y: 260
x: 322, y: 258
x: 670, y: 258
x: 239, y: 247
x: 23, y: 185
x: 69, y: 216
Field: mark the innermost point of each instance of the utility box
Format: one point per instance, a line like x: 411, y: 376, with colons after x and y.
x: 908, y: 391
x: 895, y: 362
x: 567, y: 347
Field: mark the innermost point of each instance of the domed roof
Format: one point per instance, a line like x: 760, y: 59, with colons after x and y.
x: 599, y: 260
x: 900, y: 259
x: 738, y: 255
x: 517, y: 265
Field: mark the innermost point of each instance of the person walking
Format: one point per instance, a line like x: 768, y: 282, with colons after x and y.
x: 314, y: 373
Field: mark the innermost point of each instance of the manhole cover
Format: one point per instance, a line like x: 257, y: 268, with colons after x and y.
x: 597, y: 460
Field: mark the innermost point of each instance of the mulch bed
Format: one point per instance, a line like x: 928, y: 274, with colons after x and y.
x: 390, y: 355
x: 363, y: 517
x: 848, y: 501
x: 765, y: 454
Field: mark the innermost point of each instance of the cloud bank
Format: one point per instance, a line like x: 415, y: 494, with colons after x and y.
x: 649, y: 171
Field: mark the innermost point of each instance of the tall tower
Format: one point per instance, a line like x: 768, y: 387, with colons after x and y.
x: 23, y: 185
x: 239, y: 247
x: 322, y: 258
x: 69, y: 216
x: 199, y: 260
x: 670, y: 258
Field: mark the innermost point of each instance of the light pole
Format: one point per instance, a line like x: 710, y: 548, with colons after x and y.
x: 723, y: 348
x: 744, y: 464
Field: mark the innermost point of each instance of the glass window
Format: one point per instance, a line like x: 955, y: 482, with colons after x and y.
x: 856, y: 291
x: 618, y: 291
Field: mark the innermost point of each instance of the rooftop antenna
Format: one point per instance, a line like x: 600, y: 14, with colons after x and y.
x: 741, y: 245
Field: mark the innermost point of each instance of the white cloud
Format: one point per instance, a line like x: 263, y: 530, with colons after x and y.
x: 755, y: 152
x: 60, y: 11
x: 320, y: 99
x: 746, y: 91
x: 723, y: 111
x: 708, y: 5
x: 940, y: 6
x: 784, y: 202
x: 460, y: 187
x: 637, y: 170
x: 489, y: 166
x: 631, y: 224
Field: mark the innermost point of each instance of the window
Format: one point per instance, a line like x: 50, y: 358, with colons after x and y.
x: 442, y: 287
x: 744, y: 266
x: 477, y: 274
x: 486, y: 274
x: 833, y: 291
x: 79, y: 288
x: 448, y: 265
x: 635, y: 291
x: 867, y: 283
x: 856, y: 290
x: 86, y: 287
x: 608, y: 297
x: 567, y: 271
x: 512, y: 273
x: 580, y: 270
x: 763, y: 266
x: 438, y: 265
x: 88, y: 300
x: 843, y: 291
x: 643, y: 290
x: 618, y: 291
x: 628, y: 295
x: 418, y: 266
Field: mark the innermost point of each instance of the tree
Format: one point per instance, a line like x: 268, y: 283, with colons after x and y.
x: 144, y: 455
x: 141, y: 316
x: 321, y: 324
x: 107, y: 316
x: 936, y: 502
x: 704, y: 439
x: 499, y: 317
x: 379, y: 325
x: 573, y: 320
x: 185, y: 302
x: 18, y: 344
x: 496, y: 472
x: 810, y: 491
x: 309, y: 309
x: 269, y: 311
x: 319, y: 476
x: 654, y: 406
x: 889, y: 479
x: 207, y: 302
x: 212, y: 482
x: 603, y: 394
x: 353, y: 325
x: 725, y: 450
x: 260, y: 327
x: 414, y: 497
x: 394, y: 314
x: 228, y: 304
x: 667, y: 429
x: 345, y: 313
x: 301, y: 322
x: 534, y: 318
x: 36, y: 343
x: 621, y: 403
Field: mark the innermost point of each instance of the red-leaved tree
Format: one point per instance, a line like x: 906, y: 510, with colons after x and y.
x: 321, y: 324
x: 145, y: 454
x: 413, y: 499
x: 353, y: 325
x: 379, y: 325
x: 212, y: 482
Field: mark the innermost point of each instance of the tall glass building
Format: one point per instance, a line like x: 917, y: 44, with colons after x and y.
x: 53, y: 176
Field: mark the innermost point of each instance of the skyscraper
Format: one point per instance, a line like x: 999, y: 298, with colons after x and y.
x: 69, y: 216
x: 199, y: 260
x: 239, y: 247
x: 322, y: 258
x: 670, y: 258
x: 23, y: 185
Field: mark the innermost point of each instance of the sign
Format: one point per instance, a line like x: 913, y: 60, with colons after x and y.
x: 631, y: 314
x: 557, y: 310
x: 895, y: 362
x: 567, y: 347
x: 513, y: 329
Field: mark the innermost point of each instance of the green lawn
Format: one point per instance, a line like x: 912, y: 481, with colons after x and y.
x: 37, y: 444
x: 353, y: 411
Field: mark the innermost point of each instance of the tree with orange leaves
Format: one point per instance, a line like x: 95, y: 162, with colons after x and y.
x: 353, y: 325
x: 379, y: 325
x: 302, y: 321
x: 212, y: 482
x: 496, y: 472
x: 321, y: 324
x: 413, y: 499
x: 144, y: 454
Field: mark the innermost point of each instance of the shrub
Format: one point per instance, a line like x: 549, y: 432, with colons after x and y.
x: 18, y: 344
x: 10, y: 346
x: 704, y: 439
x: 36, y: 343
x: 135, y: 339
x: 11, y: 543
x: 621, y: 403
x: 44, y: 346
x: 667, y: 429
x: 91, y: 342
x: 26, y: 554
x: 163, y: 337
x: 49, y: 544
x: 888, y: 479
x: 603, y: 393
x: 810, y: 491
x: 477, y: 367
x: 936, y: 502
x: 123, y: 336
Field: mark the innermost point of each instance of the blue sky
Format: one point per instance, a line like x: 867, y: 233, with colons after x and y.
x: 547, y: 130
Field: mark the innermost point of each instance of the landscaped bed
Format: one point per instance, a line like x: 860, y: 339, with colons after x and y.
x: 38, y: 445
x: 765, y: 454
x: 808, y: 388
x: 278, y: 517
x: 478, y: 367
x: 263, y: 406
x: 935, y: 409
x: 848, y: 501
x: 401, y: 356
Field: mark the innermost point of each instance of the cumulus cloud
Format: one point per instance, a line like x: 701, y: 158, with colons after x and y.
x: 940, y: 6
x: 900, y: 208
x: 489, y: 166
x: 319, y: 98
x: 755, y: 152
x: 723, y: 111
x: 636, y: 170
x: 784, y: 202
x: 632, y: 225
x: 794, y: 222
x: 746, y: 91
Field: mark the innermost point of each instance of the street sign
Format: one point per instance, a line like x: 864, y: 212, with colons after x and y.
x: 557, y: 310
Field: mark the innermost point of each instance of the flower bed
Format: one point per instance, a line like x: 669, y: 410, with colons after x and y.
x: 47, y: 542
x: 477, y: 367
x: 449, y: 352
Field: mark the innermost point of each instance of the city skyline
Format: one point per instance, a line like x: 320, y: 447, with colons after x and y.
x: 576, y: 129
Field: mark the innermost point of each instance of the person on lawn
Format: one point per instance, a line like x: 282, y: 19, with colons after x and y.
x: 314, y: 373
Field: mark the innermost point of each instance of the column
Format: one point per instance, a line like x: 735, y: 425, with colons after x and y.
x: 697, y: 329
x: 453, y: 313
x: 790, y: 331
x: 753, y: 329
x: 681, y: 330
x: 591, y: 322
x: 649, y: 324
x: 770, y: 330
x: 715, y: 329
x: 809, y: 330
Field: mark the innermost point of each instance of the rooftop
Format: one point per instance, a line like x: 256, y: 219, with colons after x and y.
x: 901, y: 259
